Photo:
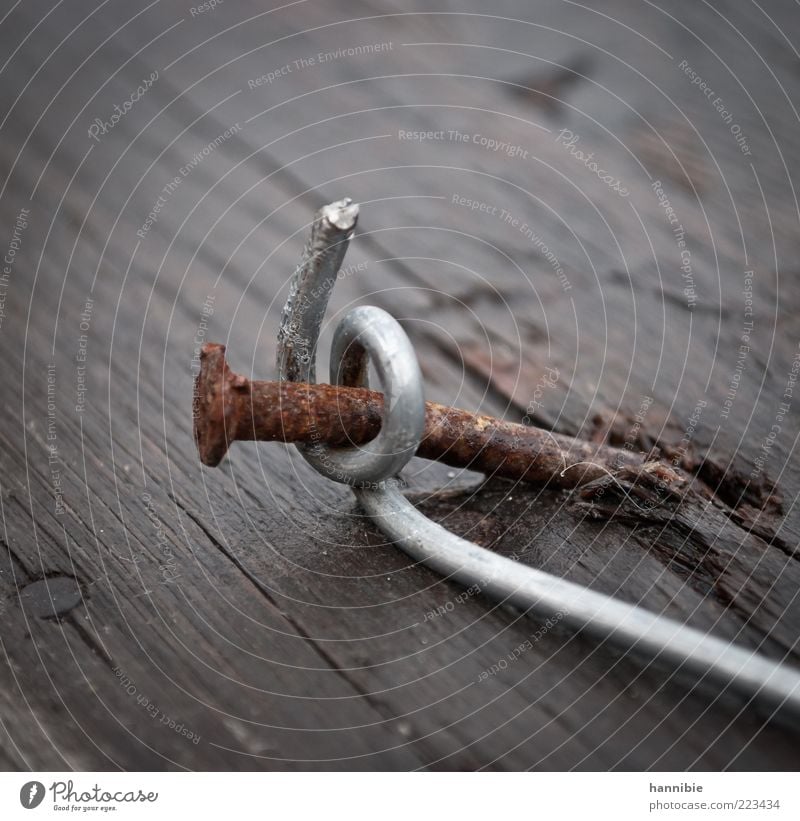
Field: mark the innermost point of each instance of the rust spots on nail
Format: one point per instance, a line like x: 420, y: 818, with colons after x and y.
x: 214, y: 405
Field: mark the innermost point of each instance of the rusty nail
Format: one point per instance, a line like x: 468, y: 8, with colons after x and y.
x: 229, y: 407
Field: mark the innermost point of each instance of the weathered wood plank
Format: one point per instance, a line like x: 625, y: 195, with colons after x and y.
x: 292, y: 636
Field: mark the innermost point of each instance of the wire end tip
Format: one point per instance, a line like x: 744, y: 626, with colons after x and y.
x: 343, y: 214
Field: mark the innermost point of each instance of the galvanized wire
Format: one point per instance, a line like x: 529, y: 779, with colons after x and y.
x: 371, y: 332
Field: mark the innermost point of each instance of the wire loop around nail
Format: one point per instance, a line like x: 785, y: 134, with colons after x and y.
x: 370, y: 334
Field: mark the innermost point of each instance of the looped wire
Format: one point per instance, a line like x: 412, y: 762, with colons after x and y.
x: 369, y: 333
x: 372, y: 332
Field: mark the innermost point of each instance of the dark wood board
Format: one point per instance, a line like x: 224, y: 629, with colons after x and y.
x: 250, y: 617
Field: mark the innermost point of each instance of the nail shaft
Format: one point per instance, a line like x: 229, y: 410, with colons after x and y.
x: 229, y: 407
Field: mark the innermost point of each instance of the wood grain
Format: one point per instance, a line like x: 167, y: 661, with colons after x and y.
x: 253, y: 607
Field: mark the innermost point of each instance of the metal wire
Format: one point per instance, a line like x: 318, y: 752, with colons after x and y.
x: 369, y: 333
x: 310, y: 290
x: 372, y: 333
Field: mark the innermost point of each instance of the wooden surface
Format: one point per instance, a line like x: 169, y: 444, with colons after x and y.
x: 248, y: 617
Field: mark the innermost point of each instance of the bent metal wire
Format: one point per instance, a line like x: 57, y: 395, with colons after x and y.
x: 370, y: 334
